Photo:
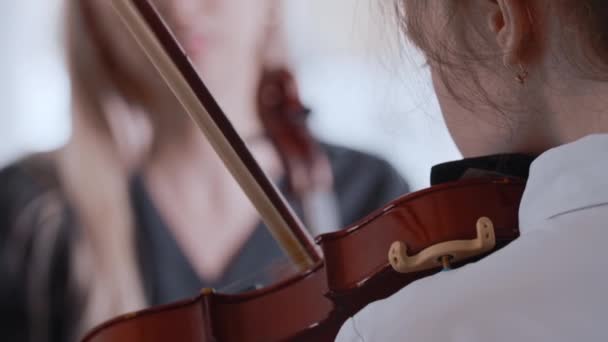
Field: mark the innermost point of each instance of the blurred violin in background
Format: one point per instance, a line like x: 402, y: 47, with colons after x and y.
x: 309, y: 174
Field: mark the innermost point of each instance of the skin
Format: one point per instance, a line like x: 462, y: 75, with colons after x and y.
x: 208, y: 214
x: 555, y: 105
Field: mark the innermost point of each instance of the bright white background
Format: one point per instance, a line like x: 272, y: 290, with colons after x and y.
x: 34, y: 87
x: 367, y: 89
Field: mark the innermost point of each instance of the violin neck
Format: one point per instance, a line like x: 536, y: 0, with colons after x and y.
x: 165, y: 53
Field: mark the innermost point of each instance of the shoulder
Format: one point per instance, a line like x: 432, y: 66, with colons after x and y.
x: 21, y: 184
x: 343, y: 159
x: 363, y: 182
x: 33, y: 243
x: 30, y: 199
x: 367, y: 170
x: 547, y: 285
x: 28, y: 176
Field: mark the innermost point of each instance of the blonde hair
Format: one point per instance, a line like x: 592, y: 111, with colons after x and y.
x: 95, y: 181
x: 90, y: 178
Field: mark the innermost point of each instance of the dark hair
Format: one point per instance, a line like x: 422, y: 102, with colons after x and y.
x: 584, y: 31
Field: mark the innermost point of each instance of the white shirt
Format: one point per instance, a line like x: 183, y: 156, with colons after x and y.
x: 551, y: 284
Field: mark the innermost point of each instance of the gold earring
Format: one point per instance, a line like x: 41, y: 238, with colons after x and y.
x: 523, y: 74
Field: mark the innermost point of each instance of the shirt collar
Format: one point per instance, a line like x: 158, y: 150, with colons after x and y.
x: 500, y: 165
x: 568, y: 178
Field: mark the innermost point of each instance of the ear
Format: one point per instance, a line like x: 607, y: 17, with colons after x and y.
x: 511, y: 23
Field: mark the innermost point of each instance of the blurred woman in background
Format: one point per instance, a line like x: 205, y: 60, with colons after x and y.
x: 137, y: 209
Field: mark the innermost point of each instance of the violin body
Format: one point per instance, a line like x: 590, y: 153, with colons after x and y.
x: 282, y: 312
x: 356, y: 271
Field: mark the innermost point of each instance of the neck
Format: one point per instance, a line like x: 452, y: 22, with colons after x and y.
x: 180, y: 154
x: 204, y: 208
x: 577, y: 108
x: 174, y: 129
x: 188, y: 155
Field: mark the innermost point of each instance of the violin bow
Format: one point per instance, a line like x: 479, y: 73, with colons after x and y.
x: 170, y: 60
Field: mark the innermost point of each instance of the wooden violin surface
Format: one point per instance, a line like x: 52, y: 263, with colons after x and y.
x: 313, y: 305
x: 274, y: 314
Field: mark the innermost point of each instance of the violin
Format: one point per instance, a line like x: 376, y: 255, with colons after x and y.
x: 308, y: 171
x: 415, y: 236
